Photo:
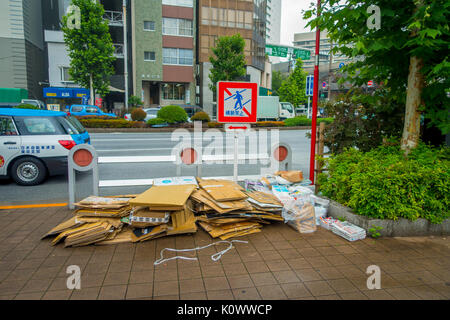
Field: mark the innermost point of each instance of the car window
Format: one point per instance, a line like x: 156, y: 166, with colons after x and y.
x: 77, y: 108
x: 91, y: 109
x: 39, y: 125
x: 286, y: 106
x: 7, y: 127
x: 77, y: 124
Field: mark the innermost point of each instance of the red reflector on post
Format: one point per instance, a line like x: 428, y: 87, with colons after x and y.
x: 68, y: 144
x: 188, y: 156
x: 280, y: 153
x: 82, y: 157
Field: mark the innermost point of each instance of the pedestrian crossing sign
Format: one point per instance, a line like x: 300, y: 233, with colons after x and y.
x: 236, y: 102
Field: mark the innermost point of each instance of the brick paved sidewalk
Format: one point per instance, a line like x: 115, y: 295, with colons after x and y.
x: 277, y: 263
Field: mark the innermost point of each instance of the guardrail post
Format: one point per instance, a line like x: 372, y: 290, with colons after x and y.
x: 82, y: 157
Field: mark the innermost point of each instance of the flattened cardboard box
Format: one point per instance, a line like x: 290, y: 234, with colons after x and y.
x: 164, y: 197
x: 221, y: 207
x: 222, y: 190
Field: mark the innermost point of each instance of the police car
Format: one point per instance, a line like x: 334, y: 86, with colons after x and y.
x: 35, y: 143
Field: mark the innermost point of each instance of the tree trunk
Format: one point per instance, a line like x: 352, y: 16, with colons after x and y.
x: 411, y: 128
x: 91, y: 85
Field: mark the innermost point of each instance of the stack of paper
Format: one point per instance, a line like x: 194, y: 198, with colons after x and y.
x: 348, y: 231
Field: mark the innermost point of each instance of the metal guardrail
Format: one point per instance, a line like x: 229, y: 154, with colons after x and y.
x: 84, y: 158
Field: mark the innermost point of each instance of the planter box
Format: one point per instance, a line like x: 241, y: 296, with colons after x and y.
x: 398, y: 228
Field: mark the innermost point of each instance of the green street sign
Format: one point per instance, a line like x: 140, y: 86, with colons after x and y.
x: 282, y: 52
x: 276, y: 51
x: 302, y: 54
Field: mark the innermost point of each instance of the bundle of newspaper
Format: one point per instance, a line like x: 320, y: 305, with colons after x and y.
x: 348, y: 231
x: 326, y: 222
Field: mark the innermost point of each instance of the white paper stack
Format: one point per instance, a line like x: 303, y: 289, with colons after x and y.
x: 326, y: 222
x: 348, y: 231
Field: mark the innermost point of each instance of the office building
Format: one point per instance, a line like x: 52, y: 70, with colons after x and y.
x: 60, y: 90
x: 226, y: 18
x: 163, y: 47
x: 22, y: 46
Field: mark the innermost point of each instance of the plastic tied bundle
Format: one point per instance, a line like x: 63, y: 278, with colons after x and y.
x: 214, y: 257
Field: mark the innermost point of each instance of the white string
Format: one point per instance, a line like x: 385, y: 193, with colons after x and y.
x: 214, y: 257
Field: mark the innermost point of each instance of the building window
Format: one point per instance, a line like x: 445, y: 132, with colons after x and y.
x: 181, y: 3
x: 173, y: 91
x: 177, y: 27
x: 149, y: 56
x: 65, y: 76
x: 149, y: 25
x: 177, y: 56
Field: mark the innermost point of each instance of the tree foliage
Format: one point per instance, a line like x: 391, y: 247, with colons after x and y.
x: 362, y: 121
x: 90, y: 47
x: 228, y: 62
x: 409, y: 28
x: 277, y: 80
x: 293, y: 88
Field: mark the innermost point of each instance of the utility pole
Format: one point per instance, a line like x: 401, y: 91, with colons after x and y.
x: 125, y: 51
x: 329, y: 69
x: 315, y: 99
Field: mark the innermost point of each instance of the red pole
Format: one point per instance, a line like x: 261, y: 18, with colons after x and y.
x: 315, y: 100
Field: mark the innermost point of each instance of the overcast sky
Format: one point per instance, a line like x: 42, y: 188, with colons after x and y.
x: 291, y: 19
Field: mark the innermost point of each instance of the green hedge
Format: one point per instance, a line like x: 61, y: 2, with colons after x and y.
x: 155, y: 121
x: 118, y: 123
x: 201, y: 116
x: 383, y: 184
x: 173, y: 114
x: 304, y: 121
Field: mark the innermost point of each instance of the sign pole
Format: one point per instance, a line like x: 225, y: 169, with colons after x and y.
x: 235, y: 165
x: 315, y: 99
x: 309, y: 106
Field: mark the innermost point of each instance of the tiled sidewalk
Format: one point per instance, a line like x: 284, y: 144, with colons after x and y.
x: 277, y: 263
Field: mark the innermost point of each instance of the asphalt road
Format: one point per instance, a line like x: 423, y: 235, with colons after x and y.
x: 55, y: 189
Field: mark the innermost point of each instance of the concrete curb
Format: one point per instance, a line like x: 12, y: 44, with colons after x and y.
x: 399, y: 228
x: 133, y: 130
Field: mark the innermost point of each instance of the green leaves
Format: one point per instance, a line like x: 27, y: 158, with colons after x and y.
x: 293, y: 88
x: 90, y: 47
x: 228, y: 60
x: 383, y: 184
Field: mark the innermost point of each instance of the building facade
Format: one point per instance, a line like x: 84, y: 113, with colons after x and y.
x: 273, y: 17
x: 58, y: 82
x: 22, y: 46
x: 225, y: 18
x: 307, y: 40
x: 163, y: 50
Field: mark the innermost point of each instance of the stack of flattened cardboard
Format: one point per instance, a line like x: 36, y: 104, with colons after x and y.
x: 172, y: 206
x: 153, y: 208
x: 98, y: 219
x: 225, y: 210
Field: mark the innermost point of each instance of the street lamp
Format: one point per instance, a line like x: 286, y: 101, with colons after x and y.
x: 315, y: 99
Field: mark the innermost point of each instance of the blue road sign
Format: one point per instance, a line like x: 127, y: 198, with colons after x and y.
x: 309, y: 85
x: 341, y: 65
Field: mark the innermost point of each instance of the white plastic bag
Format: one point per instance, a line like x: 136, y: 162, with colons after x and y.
x: 299, y: 214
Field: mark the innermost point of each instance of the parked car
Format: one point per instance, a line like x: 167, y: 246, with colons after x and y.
x: 151, y: 114
x: 191, y: 110
x: 88, y: 110
x: 35, y: 143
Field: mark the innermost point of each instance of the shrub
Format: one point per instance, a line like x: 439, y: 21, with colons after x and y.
x: 111, y: 123
x: 172, y: 114
x: 138, y: 114
x: 297, y: 121
x: 135, y: 102
x: 362, y: 120
x: 155, y: 121
x: 27, y: 106
x: 269, y: 124
x: 383, y: 184
x: 215, y: 125
x: 201, y: 116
